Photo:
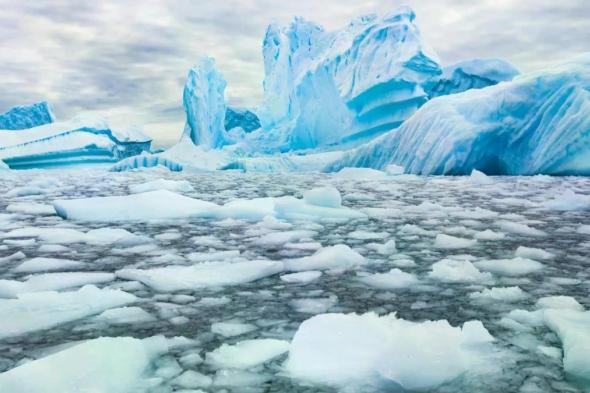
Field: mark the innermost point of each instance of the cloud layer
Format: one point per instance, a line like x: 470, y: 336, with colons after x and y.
x: 128, y: 59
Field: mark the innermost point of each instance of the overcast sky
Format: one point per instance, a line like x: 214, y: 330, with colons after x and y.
x: 129, y: 59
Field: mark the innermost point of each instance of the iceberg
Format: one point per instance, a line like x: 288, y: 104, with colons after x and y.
x: 204, y: 103
x: 539, y: 123
x: 470, y: 74
x: 334, y: 88
x: 82, y: 140
x: 26, y: 116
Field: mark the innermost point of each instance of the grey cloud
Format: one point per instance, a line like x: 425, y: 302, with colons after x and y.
x: 129, y: 59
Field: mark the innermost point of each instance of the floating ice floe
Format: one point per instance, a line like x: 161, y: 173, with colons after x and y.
x: 211, y: 274
x: 393, y: 279
x: 510, y: 267
x: 448, y: 242
x: 125, y: 315
x: 301, y: 277
x: 338, y: 258
x: 160, y: 204
x: 232, y: 328
x: 451, y: 270
x: 503, y: 294
x: 162, y: 184
x: 30, y: 312
x: 532, y: 253
x: 164, y: 204
x: 566, y: 317
x: 568, y: 200
x: 349, y: 349
x: 314, y: 305
x: 106, y: 364
x: 41, y: 264
x: 56, y: 235
x: 52, y: 282
x: 246, y: 354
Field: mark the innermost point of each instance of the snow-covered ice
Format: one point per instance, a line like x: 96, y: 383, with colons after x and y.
x: 348, y: 349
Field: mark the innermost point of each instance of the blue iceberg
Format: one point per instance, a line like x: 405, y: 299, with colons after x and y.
x: 204, y: 103
x: 537, y: 124
x: 324, y: 89
x: 82, y: 140
x: 26, y: 116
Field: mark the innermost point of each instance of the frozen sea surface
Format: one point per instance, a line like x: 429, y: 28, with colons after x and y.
x: 499, y: 246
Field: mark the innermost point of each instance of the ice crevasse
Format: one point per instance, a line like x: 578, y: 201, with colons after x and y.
x: 539, y: 123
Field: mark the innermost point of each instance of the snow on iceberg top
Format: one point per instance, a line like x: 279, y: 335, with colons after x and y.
x: 92, y: 124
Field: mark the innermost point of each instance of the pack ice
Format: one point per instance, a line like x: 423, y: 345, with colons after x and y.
x: 539, y: 123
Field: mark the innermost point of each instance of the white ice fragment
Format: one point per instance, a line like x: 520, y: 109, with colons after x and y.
x: 125, y: 315
x: 520, y: 229
x: 313, y: 305
x: 503, y: 294
x: 450, y: 270
x: 162, y: 184
x: 510, y: 267
x: 211, y: 274
x: 52, y: 282
x: 114, y: 365
x: 394, y: 279
x: 324, y: 196
x: 348, y: 349
x: 160, y: 204
x: 191, y: 379
x: 246, y: 354
x: 448, y: 242
x: 339, y: 257
x: 232, y: 328
x: 559, y: 303
x: 37, y: 311
x: 532, y: 253
x: 301, y: 277
x: 488, y: 234
x: 41, y: 264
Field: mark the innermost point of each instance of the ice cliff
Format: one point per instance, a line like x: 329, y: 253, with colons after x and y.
x: 538, y: 123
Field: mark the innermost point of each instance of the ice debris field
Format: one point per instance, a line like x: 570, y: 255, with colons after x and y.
x: 162, y: 281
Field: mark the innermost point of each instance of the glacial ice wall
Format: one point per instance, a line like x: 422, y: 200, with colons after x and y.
x: 326, y: 88
x: 204, y: 103
x: 26, y: 116
x: 470, y: 74
x: 537, y: 124
x: 82, y: 140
